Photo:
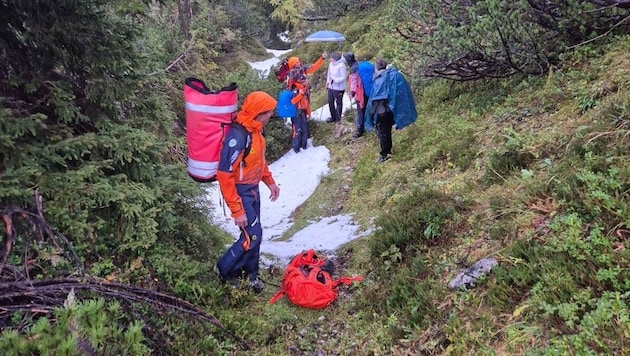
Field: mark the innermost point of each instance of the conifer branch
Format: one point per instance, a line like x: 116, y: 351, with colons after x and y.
x: 41, y: 229
x: 40, y: 297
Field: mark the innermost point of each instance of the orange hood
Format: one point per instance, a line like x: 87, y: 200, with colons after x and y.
x: 254, y: 104
x: 292, y: 61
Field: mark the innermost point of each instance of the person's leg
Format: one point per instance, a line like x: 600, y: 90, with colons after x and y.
x: 384, y: 124
x: 244, y: 254
x: 296, y: 128
x: 331, y: 105
x: 359, y: 123
x: 304, y: 133
x: 361, y: 118
x: 379, y: 133
x: 339, y: 103
x: 386, y: 129
x: 254, y: 228
x: 249, y: 260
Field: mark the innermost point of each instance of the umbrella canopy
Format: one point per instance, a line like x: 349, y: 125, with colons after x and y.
x: 325, y: 36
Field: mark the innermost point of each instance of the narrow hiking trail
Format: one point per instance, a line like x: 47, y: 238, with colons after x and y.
x: 297, y: 175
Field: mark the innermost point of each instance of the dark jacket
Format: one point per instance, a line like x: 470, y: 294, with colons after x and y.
x: 391, y: 85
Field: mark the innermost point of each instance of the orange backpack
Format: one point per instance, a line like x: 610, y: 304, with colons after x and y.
x: 307, y: 285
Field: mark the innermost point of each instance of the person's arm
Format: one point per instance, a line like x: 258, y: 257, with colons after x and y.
x: 225, y: 175
x: 329, y: 78
x: 267, y: 178
x: 298, y: 94
x: 315, y: 66
x: 354, y: 84
x: 271, y: 184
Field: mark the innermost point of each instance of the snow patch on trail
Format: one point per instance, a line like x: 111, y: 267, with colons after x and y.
x: 263, y: 67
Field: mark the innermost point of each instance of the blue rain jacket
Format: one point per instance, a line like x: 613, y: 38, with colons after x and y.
x: 393, y: 86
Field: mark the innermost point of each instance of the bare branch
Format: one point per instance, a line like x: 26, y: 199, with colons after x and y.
x: 39, y: 297
x: 174, y: 63
x: 603, y: 34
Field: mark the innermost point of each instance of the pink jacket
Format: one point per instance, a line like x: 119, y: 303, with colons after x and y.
x: 356, y: 87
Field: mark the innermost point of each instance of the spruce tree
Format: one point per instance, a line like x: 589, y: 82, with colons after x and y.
x: 82, y: 122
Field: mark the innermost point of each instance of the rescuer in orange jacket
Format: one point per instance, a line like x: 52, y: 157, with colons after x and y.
x: 239, y: 180
x: 297, y: 82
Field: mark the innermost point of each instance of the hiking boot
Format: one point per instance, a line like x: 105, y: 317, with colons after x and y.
x: 357, y: 134
x: 235, y: 283
x: 257, y: 286
x: 382, y: 159
x: 217, y: 272
x: 330, y: 120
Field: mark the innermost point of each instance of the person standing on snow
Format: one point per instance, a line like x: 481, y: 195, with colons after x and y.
x: 239, y: 179
x: 297, y: 82
x: 336, y: 86
x: 357, y: 93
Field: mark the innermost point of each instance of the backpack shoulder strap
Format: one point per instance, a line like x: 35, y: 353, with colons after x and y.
x: 346, y: 280
x: 310, y: 258
x: 246, y: 134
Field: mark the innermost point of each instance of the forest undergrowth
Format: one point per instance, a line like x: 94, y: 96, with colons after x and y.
x: 519, y: 153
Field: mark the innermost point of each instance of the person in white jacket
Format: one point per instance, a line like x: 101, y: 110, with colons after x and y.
x: 336, y: 86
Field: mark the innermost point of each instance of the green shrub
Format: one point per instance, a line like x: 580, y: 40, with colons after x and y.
x: 416, y: 221
x: 84, y: 328
x: 513, y: 155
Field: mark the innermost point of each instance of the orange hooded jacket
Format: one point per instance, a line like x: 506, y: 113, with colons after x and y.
x: 302, y: 87
x: 233, y: 169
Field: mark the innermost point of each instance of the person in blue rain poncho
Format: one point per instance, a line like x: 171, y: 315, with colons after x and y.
x: 391, y: 104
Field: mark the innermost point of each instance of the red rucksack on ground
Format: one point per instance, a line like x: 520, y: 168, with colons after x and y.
x: 307, y: 282
x: 209, y: 115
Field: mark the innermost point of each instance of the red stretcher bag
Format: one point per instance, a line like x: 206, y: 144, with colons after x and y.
x: 208, y: 117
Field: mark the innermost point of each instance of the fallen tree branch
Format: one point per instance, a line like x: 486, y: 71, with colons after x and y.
x: 41, y: 229
x: 41, y: 297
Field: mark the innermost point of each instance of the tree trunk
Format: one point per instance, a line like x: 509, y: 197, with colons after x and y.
x: 183, y: 7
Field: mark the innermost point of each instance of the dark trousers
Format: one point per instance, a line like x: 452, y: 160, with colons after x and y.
x: 384, y: 124
x: 335, y: 104
x: 299, y: 128
x: 240, y: 258
x: 359, y: 124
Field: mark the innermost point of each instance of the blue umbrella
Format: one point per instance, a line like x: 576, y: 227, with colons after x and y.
x: 325, y: 36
